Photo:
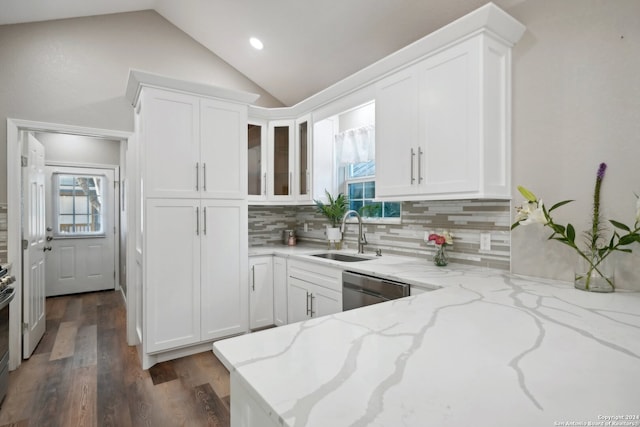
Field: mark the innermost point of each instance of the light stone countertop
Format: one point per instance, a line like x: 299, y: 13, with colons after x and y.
x: 488, y: 349
x: 418, y: 272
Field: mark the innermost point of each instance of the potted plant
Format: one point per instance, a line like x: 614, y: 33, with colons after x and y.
x: 334, y: 210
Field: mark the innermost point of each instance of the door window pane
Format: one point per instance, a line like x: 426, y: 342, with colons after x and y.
x: 78, y: 205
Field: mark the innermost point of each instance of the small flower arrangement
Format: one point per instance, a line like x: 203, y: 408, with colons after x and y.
x: 533, y: 211
x: 441, y: 240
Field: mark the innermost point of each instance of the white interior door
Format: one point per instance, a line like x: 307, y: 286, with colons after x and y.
x: 33, y: 234
x: 81, y: 230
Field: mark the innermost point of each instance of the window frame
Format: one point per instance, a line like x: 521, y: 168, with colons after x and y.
x: 363, y: 179
x: 55, y: 213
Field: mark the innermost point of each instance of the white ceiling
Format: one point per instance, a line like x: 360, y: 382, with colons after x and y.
x: 309, y: 44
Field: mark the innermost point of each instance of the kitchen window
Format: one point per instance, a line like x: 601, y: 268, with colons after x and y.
x: 361, y: 191
x: 78, y: 205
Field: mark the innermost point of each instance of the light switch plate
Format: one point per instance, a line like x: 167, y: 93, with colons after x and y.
x: 485, y: 241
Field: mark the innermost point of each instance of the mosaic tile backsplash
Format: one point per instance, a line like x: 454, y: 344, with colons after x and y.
x: 465, y: 219
x: 3, y: 233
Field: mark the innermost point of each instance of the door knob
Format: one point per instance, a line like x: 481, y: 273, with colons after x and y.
x: 49, y: 229
x: 49, y: 238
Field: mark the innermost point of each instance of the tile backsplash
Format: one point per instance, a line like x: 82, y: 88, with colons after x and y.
x: 3, y: 233
x: 266, y: 223
x: 465, y: 219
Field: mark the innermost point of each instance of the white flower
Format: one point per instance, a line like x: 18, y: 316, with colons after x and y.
x: 448, y: 238
x: 531, y: 213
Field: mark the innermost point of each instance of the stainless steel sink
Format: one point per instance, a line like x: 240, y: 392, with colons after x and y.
x: 341, y: 257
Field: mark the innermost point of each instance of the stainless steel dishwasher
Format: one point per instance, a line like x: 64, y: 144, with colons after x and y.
x: 359, y: 290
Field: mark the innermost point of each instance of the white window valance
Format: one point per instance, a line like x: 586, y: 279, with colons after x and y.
x: 356, y: 145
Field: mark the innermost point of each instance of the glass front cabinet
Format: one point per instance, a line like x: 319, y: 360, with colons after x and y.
x: 303, y: 159
x: 257, y: 160
x: 279, y: 159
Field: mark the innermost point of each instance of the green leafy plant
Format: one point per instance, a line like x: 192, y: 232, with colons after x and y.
x: 334, y: 209
x: 598, y: 249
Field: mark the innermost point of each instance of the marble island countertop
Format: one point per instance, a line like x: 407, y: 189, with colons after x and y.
x: 488, y: 348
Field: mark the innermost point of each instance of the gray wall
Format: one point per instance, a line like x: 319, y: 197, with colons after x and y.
x: 576, y: 103
x: 75, y: 71
x: 79, y: 149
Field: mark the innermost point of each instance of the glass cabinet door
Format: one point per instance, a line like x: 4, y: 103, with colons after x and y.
x: 303, y: 159
x: 257, y: 178
x: 282, y: 174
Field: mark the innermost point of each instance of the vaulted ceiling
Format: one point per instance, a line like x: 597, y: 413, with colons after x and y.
x: 308, y: 45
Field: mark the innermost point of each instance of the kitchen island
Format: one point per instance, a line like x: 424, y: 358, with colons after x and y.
x: 487, y: 348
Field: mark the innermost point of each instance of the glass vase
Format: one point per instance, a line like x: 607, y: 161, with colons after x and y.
x: 440, y: 258
x: 594, y: 274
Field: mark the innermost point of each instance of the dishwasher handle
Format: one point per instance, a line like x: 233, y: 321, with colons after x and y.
x: 385, y: 288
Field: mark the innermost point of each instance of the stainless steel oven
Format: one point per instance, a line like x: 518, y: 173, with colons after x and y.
x: 6, y: 295
x: 359, y: 290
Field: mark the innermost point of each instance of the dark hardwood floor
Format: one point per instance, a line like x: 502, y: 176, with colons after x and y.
x: 83, y: 374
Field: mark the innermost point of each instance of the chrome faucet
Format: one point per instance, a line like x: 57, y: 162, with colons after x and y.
x: 362, y: 239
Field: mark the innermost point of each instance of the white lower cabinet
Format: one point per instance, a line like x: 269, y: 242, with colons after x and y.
x: 298, y: 300
x: 260, y: 292
x: 193, y: 271
x: 172, y: 261
x: 307, y: 300
x: 280, y: 291
x: 313, y: 290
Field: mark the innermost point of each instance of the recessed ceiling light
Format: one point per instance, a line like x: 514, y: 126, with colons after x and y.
x: 256, y: 43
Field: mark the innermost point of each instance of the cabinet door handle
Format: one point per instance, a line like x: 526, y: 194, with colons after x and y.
x: 290, y: 181
x: 420, y: 152
x: 307, y: 303
x: 413, y: 155
x: 204, y: 177
x: 312, y: 311
x: 253, y: 278
x: 197, y: 221
x: 197, y: 176
x: 264, y: 180
x: 204, y: 220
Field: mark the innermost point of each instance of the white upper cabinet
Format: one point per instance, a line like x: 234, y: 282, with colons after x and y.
x: 303, y: 160
x: 449, y: 120
x: 257, y: 160
x: 397, y: 134
x: 279, y: 160
x: 172, y: 141
x: 193, y: 146
x: 443, y: 118
x: 223, y: 130
x: 442, y: 125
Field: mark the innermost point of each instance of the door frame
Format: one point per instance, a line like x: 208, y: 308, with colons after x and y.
x: 14, y: 218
